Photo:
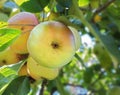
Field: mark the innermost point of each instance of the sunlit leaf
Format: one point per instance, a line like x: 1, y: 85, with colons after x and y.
x: 7, y: 36
x: 8, y: 73
x: 83, y: 3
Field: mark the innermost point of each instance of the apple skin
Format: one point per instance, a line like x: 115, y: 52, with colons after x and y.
x: 51, y: 44
x: 76, y: 36
x: 36, y: 71
x: 23, y: 71
x: 8, y: 57
x: 24, y: 21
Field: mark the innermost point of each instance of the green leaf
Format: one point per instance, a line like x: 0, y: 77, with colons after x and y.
x: 33, y: 5
x: 8, y: 73
x: 7, y: 36
x: 111, y: 47
x: 3, y: 17
x: 19, y: 86
x: 88, y: 75
x: 83, y: 3
x: 64, y: 3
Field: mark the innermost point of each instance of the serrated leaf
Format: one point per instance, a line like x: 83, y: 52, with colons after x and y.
x: 7, y: 36
x: 8, y: 73
x: 18, y: 86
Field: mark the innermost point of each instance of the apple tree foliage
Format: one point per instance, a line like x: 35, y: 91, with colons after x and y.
x: 94, y: 68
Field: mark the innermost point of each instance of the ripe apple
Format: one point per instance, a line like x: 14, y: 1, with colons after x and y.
x: 76, y: 36
x: 23, y: 70
x: 36, y: 71
x: 24, y: 21
x: 8, y: 57
x: 51, y: 44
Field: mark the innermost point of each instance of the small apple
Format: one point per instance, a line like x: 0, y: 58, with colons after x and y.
x: 51, y: 44
x: 97, y: 18
x: 8, y: 57
x: 36, y: 71
x: 24, y: 21
x: 76, y: 36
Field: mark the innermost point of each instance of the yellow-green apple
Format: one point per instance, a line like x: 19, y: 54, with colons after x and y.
x: 24, y: 21
x: 36, y: 71
x: 51, y: 44
x: 8, y: 57
x: 76, y: 36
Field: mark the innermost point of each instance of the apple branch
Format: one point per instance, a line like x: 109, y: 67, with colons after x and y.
x: 103, y: 7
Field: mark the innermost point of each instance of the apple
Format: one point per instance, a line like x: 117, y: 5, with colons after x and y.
x: 36, y: 71
x: 24, y: 21
x: 8, y: 57
x: 76, y: 36
x: 97, y: 18
x: 51, y: 44
x: 23, y: 70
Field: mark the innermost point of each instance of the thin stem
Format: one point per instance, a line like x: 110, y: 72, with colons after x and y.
x: 81, y: 61
x: 60, y: 87
x: 42, y: 87
x: 103, y: 7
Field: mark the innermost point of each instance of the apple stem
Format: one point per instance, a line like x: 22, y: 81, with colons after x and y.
x: 44, y: 82
x: 80, y: 60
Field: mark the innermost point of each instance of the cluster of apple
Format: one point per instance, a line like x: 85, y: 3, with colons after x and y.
x: 50, y: 45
